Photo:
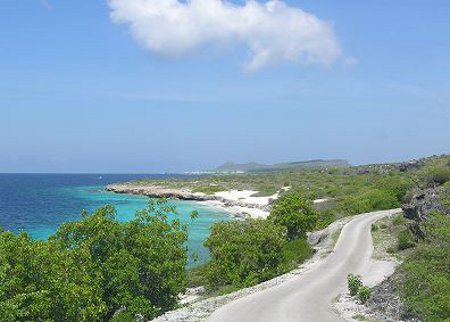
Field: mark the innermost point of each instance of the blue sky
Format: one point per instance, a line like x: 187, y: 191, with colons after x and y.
x: 80, y: 92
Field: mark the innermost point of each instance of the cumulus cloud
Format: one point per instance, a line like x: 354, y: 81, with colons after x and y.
x: 273, y: 32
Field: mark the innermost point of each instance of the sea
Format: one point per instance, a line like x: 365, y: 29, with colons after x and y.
x: 39, y: 203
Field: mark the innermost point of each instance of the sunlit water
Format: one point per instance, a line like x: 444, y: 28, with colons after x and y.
x: 39, y: 203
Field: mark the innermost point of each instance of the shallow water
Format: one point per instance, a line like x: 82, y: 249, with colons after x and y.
x: 39, y: 203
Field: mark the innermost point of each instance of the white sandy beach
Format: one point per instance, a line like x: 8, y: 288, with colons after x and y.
x: 243, y: 203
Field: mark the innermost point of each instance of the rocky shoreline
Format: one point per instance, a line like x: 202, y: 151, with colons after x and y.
x: 158, y: 192
x: 238, y: 203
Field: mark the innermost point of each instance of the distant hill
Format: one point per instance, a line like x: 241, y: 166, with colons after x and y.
x: 259, y: 167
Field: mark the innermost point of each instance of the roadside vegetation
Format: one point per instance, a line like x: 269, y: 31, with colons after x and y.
x: 248, y: 252
x: 422, y: 243
x: 425, y: 275
x: 92, y: 269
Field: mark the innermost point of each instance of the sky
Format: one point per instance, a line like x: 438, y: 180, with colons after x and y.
x: 153, y: 86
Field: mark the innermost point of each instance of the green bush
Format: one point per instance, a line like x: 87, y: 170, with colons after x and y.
x: 90, y: 269
x: 244, y: 253
x: 294, y: 213
x: 354, y: 282
x: 364, y: 294
x: 122, y: 317
x: 295, y: 252
x: 326, y: 217
x: 405, y: 240
x: 366, y: 201
x: 437, y: 175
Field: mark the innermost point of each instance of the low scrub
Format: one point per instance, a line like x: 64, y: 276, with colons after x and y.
x: 364, y: 294
x: 405, y: 240
x: 425, y: 287
x: 437, y: 175
x: 354, y: 283
x: 374, y: 199
x: 357, y: 288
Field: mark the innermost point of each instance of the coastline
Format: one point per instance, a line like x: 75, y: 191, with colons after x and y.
x: 240, y: 204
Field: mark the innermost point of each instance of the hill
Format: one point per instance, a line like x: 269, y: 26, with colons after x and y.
x: 259, y: 167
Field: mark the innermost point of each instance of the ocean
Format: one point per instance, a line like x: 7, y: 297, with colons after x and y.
x: 39, y: 203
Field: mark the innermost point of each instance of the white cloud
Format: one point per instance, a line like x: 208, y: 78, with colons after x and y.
x: 272, y: 31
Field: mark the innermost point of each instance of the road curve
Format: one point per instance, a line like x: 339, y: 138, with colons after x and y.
x: 309, y: 296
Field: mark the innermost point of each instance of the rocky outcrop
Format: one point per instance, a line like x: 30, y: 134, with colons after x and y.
x: 183, y: 194
x: 158, y: 192
x: 422, y: 202
x: 410, y: 165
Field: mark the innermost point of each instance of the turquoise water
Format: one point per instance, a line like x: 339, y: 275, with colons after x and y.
x: 38, y: 204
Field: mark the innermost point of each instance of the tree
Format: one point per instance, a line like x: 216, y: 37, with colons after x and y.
x: 294, y: 213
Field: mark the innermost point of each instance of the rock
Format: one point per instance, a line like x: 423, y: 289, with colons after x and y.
x: 139, y: 318
x: 422, y: 203
x: 195, y: 290
x: 314, y: 237
x: 411, y: 165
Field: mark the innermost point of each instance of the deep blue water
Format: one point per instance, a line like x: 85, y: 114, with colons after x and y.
x: 39, y: 203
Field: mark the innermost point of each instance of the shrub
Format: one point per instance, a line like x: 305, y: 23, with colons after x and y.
x: 90, y: 269
x: 364, y: 294
x: 398, y: 220
x: 122, y: 317
x: 373, y: 199
x: 295, y: 252
x: 374, y: 227
x: 354, y: 283
x: 244, y: 253
x: 405, y: 240
x: 294, y: 213
x: 437, y: 175
x: 326, y: 217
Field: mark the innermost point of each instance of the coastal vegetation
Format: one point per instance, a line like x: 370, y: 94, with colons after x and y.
x: 294, y: 213
x: 93, y: 268
x: 98, y: 268
x: 244, y: 253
